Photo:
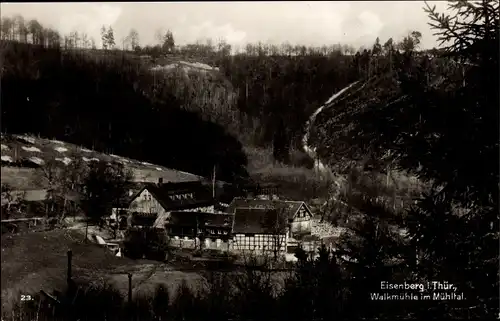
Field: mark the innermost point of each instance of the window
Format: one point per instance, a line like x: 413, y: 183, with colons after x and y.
x: 171, y: 197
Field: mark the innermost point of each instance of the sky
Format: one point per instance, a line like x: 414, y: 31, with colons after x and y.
x: 314, y: 23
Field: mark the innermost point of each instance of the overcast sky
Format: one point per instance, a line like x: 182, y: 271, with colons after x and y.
x: 308, y: 23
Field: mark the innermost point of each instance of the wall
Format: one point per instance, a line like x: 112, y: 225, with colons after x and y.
x: 209, y: 244
x: 302, y: 221
x: 259, y: 243
x: 205, y: 209
x: 146, y: 203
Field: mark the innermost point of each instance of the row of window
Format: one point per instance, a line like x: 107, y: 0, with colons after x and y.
x: 189, y: 231
x: 258, y: 247
x: 181, y: 196
x: 147, y: 197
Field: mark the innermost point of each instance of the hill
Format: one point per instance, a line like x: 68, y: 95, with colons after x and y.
x: 35, y: 261
x: 22, y: 155
x: 113, y: 106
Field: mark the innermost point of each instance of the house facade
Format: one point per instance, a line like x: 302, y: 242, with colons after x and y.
x: 259, y: 231
x: 195, y: 229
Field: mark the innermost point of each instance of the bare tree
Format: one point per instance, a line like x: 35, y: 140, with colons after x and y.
x: 9, y: 198
x: 133, y: 37
x: 276, y: 223
x: 7, y: 28
x: 49, y: 176
x: 35, y: 29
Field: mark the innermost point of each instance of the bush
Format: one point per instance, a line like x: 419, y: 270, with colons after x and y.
x: 146, y: 242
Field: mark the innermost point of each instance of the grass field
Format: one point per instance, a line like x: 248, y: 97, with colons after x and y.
x: 38, y: 260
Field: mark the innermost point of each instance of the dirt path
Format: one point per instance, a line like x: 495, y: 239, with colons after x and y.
x: 312, y: 151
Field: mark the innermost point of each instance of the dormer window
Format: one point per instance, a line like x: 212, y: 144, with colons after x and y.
x: 172, y: 197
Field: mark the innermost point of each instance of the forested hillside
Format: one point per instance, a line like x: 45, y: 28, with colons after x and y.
x: 107, y: 103
x: 144, y: 101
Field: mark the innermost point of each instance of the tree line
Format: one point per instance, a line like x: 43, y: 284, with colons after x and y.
x: 272, y: 89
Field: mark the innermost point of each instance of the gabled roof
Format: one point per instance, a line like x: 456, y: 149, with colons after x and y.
x: 183, y: 219
x: 258, y: 221
x: 290, y: 208
x: 162, y: 193
x: 135, y: 187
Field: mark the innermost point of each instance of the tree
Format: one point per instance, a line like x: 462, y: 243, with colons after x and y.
x: 75, y: 39
x: 9, y: 198
x: 441, y: 133
x: 168, y: 44
x: 389, y: 51
x: 107, y: 38
x: 276, y: 222
x: 50, y: 176
x: 103, y: 186
x: 104, y: 40
x: 133, y: 37
x: 410, y: 42
x: 35, y: 29
x: 110, y: 38
x: 7, y: 28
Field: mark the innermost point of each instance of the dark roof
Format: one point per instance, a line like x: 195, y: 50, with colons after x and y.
x: 258, y: 221
x: 191, y: 219
x: 218, y: 220
x: 288, y: 207
x: 202, y: 195
x: 135, y: 187
x: 188, y: 219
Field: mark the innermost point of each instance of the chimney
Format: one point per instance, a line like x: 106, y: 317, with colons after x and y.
x: 160, y: 181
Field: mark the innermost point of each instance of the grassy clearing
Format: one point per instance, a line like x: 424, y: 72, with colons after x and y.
x: 35, y: 261
x: 298, y: 180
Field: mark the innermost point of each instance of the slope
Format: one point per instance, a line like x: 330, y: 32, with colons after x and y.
x: 22, y: 155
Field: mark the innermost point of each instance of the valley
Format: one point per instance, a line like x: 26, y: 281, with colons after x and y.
x: 173, y: 178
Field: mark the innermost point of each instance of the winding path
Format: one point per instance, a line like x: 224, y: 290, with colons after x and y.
x: 312, y: 151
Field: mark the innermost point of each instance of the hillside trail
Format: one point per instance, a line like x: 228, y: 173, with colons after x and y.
x: 311, y: 151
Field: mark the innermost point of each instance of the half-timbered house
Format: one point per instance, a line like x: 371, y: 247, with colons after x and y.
x: 260, y: 231
x: 297, y: 213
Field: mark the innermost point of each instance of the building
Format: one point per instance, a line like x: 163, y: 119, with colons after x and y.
x: 260, y: 230
x: 297, y: 213
x: 153, y: 203
x: 188, y: 228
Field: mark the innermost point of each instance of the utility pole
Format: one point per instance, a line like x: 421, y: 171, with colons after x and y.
x: 130, y: 288
x: 70, y: 255
x: 213, y: 183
